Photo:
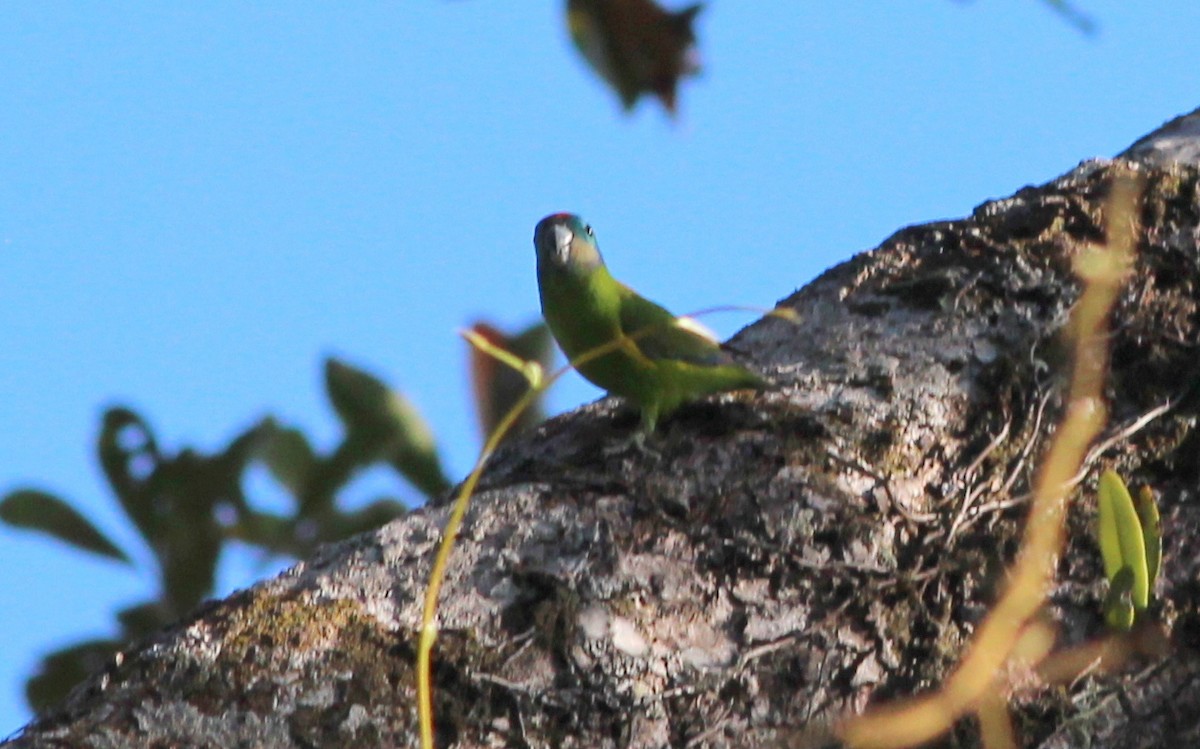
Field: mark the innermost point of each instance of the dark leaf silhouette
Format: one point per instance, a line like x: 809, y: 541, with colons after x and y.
x: 382, y: 424
x: 61, y: 671
x: 289, y: 457
x: 39, y: 511
x: 496, y: 386
x: 636, y: 46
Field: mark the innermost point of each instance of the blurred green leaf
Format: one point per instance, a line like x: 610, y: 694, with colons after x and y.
x: 1073, y: 15
x: 189, y: 505
x: 412, y: 452
x: 180, y: 503
x: 374, y: 515
x: 142, y: 619
x: 360, y: 399
x: 38, y: 511
x: 62, y: 670
x: 273, y: 533
x: 129, y: 456
x: 192, y: 490
x: 289, y: 457
x: 383, y: 424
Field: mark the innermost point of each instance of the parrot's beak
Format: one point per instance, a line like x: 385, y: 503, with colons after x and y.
x: 563, y: 237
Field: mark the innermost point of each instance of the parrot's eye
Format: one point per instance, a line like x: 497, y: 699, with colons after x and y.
x: 588, y: 228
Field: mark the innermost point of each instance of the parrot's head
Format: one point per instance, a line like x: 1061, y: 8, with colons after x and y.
x: 565, y: 244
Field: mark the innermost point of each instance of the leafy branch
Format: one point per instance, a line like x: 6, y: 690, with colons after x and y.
x: 187, y: 506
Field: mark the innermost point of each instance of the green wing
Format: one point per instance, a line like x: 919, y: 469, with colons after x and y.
x: 662, y: 337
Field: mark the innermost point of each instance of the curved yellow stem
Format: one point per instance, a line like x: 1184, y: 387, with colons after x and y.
x: 538, y: 385
x: 971, y: 687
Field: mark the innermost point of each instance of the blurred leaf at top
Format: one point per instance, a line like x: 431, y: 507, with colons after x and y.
x: 636, y: 46
x: 1073, y: 15
x: 1069, y: 12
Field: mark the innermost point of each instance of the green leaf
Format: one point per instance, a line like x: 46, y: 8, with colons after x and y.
x: 1118, y: 606
x: 142, y: 619
x: 289, y: 457
x: 129, y: 456
x: 1122, y: 543
x: 374, y: 515
x: 1147, y: 512
x: 45, y: 513
x: 275, y: 534
x: 412, y: 450
x: 360, y: 399
x: 63, y: 669
x: 386, y: 425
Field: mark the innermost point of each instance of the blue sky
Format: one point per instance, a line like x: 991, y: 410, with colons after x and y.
x: 199, y: 201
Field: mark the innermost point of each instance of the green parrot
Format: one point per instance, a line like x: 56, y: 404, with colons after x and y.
x: 662, y: 361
